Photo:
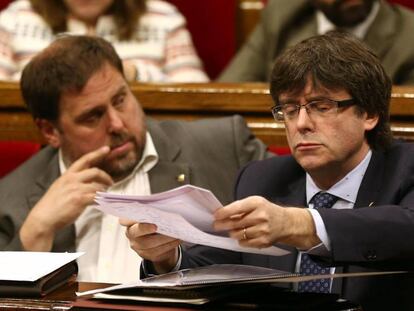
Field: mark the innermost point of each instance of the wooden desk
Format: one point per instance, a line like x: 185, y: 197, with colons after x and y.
x: 60, y: 299
x: 193, y: 101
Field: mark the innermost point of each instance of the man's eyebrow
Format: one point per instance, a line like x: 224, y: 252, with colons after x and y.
x: 85, y: 114
x: 316, y: 97
x: 121, y: 91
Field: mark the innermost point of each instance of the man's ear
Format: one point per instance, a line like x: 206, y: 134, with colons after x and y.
x: 49, y: 131
x: 371, y: 122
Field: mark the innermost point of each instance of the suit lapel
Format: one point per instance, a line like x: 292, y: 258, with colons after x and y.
x: 168, y: 173
x: 371, y: 183
x: 296, y: 194
x: 367, y: 195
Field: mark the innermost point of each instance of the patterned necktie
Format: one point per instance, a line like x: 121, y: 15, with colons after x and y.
x: 307, y: 265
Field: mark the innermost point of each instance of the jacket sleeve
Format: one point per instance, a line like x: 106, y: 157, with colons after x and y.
x: 9, y: 237
x: 13, y: 211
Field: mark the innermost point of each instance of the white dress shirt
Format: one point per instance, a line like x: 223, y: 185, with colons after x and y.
x: 108, y: 257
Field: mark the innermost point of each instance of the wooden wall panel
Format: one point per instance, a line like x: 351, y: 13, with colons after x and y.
x: 194, y: 101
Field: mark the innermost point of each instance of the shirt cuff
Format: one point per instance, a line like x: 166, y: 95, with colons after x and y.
x: 324, y: 248
x: 148, y: 269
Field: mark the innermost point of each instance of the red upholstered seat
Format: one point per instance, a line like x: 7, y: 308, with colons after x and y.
x: 14, y: 153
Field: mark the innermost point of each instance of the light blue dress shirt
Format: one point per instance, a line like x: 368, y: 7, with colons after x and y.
x: 346, y: 190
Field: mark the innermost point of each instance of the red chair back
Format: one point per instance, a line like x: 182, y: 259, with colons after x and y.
x: 14, y: 153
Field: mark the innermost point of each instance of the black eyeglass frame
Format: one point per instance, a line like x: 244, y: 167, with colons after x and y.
x: 339, y: 104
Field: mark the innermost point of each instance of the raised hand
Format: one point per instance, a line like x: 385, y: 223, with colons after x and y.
x: 65, y: 200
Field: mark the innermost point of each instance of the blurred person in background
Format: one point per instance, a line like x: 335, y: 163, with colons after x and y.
x: 149, y: 35
x: 385, y: 28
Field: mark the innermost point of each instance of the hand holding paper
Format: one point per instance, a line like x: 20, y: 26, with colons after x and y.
x: 184, y: 213
x: 159, y: 249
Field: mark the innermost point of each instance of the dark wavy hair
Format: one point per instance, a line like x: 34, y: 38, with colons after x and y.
x: 126, y: 14
x: 66, y: 65
x: 338, y: 60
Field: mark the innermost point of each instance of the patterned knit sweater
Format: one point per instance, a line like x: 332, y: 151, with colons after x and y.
x: 161, y: 48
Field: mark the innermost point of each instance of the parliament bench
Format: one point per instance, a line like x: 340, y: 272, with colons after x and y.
x: 193, y: 101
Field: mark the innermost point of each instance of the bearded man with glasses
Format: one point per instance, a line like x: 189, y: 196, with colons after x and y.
x: 343, y: 201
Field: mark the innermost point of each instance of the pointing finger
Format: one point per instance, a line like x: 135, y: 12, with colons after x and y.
x: 90, y: 159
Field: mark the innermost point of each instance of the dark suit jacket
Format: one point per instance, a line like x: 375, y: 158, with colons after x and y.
x: 286, y: 23
x: 209, y: 153
x: 362, y: 239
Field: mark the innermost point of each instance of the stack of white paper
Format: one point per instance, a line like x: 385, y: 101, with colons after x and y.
x: 31, y: 266
x: 185, y: 213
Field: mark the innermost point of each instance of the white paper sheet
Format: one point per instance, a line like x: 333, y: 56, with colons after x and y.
x: 185, y: 213
x: 31, y: 266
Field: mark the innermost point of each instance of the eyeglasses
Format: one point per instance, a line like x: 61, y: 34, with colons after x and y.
x: 320, y: 108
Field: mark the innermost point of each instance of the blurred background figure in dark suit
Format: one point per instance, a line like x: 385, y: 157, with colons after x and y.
x: 386, y: 28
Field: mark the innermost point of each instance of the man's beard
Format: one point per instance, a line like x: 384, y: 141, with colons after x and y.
x: 120, y: 167
x: 346, y: 17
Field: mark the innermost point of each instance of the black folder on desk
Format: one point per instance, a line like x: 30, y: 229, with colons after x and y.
x: 35, y: 274
x: 42, y: 286
x: 231, y: 285
x: 196, y: 286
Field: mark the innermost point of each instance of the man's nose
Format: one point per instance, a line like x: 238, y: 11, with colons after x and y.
x: 304, y: 121
x: 115, y: 120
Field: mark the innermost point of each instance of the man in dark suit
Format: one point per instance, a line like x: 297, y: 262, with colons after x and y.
x: 386, y: 28
x: 333, y: 95
x: 99, y: 139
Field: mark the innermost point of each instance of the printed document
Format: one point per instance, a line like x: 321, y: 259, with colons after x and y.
x: 185, y: 213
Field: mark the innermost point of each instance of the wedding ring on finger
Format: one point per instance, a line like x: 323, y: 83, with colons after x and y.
x: 245, y: 234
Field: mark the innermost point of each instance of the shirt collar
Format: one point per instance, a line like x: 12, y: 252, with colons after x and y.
x: 347, y: 187
x: 324, y: 24
x: 148, y: 160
